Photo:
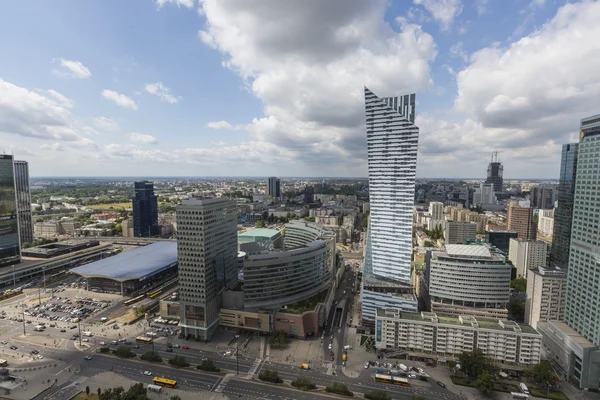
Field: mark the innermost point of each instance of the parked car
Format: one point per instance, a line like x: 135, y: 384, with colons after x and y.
x: 185, y: 347
x: 441, y: 384
x: 379, y: 371
x: 366, y: 365
x: 102, y: 343
x: 87, y: 358
x: 168, y: 350
x: 13, y: 347
x: 147, y: 373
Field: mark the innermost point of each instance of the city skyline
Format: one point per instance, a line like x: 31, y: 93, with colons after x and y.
x: 193, y: 98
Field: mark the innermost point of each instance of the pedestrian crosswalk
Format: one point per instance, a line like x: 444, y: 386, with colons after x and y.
x: 224, y: 382
x: 254, y: 368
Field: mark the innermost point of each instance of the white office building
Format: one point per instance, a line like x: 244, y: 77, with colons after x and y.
x: 436, y: 211
x: 546, y: 222
x: 207, y: 250
x: 503, y: 341
x: 546, y: 292
x: 392, y: 140
x: 468, y: 280
x: 527, y: 255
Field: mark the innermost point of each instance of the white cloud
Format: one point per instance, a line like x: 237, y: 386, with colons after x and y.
x: 119, y: 99
x: 52, y: 147
x: 481, y: 6
x: 457, y: 50
x: 72, y: 69
x: 142, y: 138
x: 537, y: 3
x: 106, y: 124
x: 443, y: 11
x: 178, y: 3
x: 158, y: 89
x: 219, y: 125
x: 62, y: 100
x: 308, y: 62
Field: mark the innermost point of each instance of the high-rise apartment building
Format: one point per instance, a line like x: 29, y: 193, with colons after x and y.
x: 145, y: 210
x: 545, y: 224
x: 207, y: 250
x: 392, y: 140
x: 274, y: 187
x: 546, y: 290
x: 494, y: 173
x: 436, y: 210
x: 458, y: 232
x: 520, y: 220
x: 23, y: 201
x: 10, y: 245
x: 543, y: 196
x: 527, y: 255
x: 563, y: 216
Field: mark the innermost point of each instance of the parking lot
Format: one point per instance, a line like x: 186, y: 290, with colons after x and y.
x: 64, y: 309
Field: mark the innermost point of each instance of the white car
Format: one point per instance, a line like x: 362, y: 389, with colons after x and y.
x: 102, y: 343
x: 147, y: 373
x: 330, y: 346
x: 366, y: 365
x: 85, y: 340
x: 227, y: 353
x: 4, y: 342
x: 39, y: 356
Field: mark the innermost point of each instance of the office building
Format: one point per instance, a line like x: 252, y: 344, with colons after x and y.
x: 10, y: 246
x: 207, y: 251
x: 545, y: 225
x: 527, y: 255
x: 23, y: 201
x: 543, y: 196
x: 500, y: 239
x: 546, y: 291
x: 458, y: 232
x: 468, y: 280
x: 392, y: 140
x: 563, y: 217
x: 145, y: 210
x: 503, y: 341
x: 484, y: 195
x: 520, y: 220
x: 309, y: 195
x: 274, y: 187
x: 494, y: 173
x: 436, y: 211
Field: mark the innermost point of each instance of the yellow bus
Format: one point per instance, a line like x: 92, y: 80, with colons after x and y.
x: 143, y: 339
x: 400, y: 381
x: 383, y: 378
x: 170, y: 383
x: 155, y: 294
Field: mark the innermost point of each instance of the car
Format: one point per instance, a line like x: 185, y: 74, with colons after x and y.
x: 421, y: 370
x: 366, y: 365
x: 412, y: 376
x: 185, y: 347
x: 379, y: 371
x: 35, y: 352
x: 62, y: 330
x: 441, y: 384
x: 135, y: 346
x: 85, y: 340
x: 227, y: 353
x: 122, y: 340
x: 176, y: 346
x: 87, y: 358
x: 102, y: 343
x: 73, y: 327
x: 4, y: 342
x: 147, y: 373
x: 39, y: 356
x: 168, y: 350
x: 13, y: 347
x: 114, y: 342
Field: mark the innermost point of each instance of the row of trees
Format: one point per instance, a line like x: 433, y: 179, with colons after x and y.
x: 135, y: 392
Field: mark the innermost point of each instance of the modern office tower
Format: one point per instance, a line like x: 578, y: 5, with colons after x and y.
x: 468, y: 280
x: 500, y: 239
x: 207, y: 250
x: 274, y: 187
x: 23, y: 201
x: 494, y: 173
x: 527, y: 255
x: 10, y: 246
x: 309, y: 195
x: 392, y: 140
x: 546, y: 291
x: 459, y: 232
x: 563, y: 216
x: 145, y: 210
x: 543, y: 196
x: 485, y: 195
x: 520, y: 220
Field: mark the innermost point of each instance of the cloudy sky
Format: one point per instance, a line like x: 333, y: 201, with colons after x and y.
x: 270, y: 87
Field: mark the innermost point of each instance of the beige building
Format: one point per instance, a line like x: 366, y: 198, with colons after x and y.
x: 426, y: 332
x: 48, y: 229
x: 520, y: 220
x: 527, y: 255
x: 127, y: 226
x: 546, y: 292
x: 245, y: 320
x: 458, y: 232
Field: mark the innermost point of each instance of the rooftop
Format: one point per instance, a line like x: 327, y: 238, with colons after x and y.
x: 467, y: 250
x: 140, y: 263
x: 257, y: 234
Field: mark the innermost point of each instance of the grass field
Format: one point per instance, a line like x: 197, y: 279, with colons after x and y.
x: 82, y: 396
x: 116, y: 206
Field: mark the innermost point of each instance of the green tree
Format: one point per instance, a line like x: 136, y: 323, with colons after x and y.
x: 364, y: 222
x: 278, y: 340
x: 99, y: 392
x: 260, y: 223
x: 378, y: 395
x: 485, y: 382
x: 474, y: 363
x: 208, y: 365
x: 175, y: 397
x: 519, y: 284
x: 269, y: 375
x: 516, y: 308
x: 179, y: 362
x: 541, y: 373
x: 124, y: 352
x: 303, y: 384
x: 428, y: 243
x: 151, y: 356
x: 339, y: 388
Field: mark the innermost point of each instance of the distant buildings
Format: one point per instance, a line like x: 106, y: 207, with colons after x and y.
x: 563, y: 217
x: 468, y: 280
x: 274, y: 187
x: 10, y: 250
x: 392, y: 140
x: 207, y: 251
x: 426, y: 332
x: 527, y: 255
x: 520, y: 220
x: 459, y: 232
x: 436, y: 211
x: 23, y: 201
x: 545, y: 223
x: 494, y: 173
x: 484, y: 195
x: 309, y: 195
x: 145, y: 210
x: 546, y: 290
x: 543, y: 196
x: 500, y: 239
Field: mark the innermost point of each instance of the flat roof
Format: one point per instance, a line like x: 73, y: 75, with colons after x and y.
x: 140, y: 263
x: 255, y: 234
x: 467, y: 250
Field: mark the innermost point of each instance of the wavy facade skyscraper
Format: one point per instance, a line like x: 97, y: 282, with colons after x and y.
x: 392, y: 142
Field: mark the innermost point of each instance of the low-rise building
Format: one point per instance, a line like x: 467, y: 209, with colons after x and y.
x: 546, y: 292
x: 426, y: 332
x: 48, y: 229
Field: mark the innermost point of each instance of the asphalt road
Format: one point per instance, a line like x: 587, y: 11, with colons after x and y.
x: 337, y: 323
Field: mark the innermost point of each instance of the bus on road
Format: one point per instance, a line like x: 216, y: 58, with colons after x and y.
x: 383, y: 378
x: 170, y: 383
x: 400, y: 381
x: 143, y: 339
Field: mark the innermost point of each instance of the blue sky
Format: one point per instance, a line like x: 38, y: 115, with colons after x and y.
x: 231, y: 87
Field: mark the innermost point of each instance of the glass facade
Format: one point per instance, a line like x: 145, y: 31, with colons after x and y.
x: 10, y: 252
x: 145, y: 210
x: 563, y: 215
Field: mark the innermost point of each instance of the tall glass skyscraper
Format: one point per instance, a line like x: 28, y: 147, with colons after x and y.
x: 392, y: 140
x: 10, y: 246
x: 23, y: 201
x: 582, y: 306
x: 563, y: 215
x: 145, y: 210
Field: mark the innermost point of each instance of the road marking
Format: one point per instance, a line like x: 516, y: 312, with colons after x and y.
x: 224, y: 382
x: 60, y: 372
x: 253, y: 368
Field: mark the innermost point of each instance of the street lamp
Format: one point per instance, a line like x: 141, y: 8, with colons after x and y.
x: 237, y: 357
x: 24, y: 332
x: 79, y: 326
